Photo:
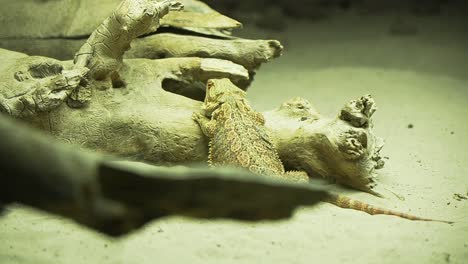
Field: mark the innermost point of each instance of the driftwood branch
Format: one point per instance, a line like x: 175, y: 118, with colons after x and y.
x: 343, y: 149
x: 148, y: 118
x: 32, y: 85
x: 104, y: 49
x: 248, y: 53
x: 151, y: 124
x: 28, y: 32
x: 116, y: 197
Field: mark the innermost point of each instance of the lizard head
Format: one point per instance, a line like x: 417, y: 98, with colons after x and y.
x: 218, y: 92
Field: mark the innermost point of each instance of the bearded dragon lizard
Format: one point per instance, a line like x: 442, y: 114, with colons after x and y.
x: 239, y: 138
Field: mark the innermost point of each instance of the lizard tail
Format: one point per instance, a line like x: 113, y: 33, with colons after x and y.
x: 348, y: 203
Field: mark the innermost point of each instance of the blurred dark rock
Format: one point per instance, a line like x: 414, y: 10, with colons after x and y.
x: 318, y: 9
x: 402, y: 27
x: 313, y: 10
x: 426, y: 8
x: 273, y: 18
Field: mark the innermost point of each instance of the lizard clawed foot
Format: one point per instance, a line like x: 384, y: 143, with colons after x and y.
x: 358, y: 112
x: 197, y: 116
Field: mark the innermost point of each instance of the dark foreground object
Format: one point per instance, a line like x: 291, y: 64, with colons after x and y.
x: 115, y: 197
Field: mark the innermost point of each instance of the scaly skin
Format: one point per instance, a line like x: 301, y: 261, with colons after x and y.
x: 239, y: 138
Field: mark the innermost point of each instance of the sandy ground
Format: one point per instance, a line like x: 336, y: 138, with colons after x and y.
x: 419, y: 79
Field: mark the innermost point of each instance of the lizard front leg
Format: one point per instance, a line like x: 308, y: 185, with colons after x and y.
x: 206, y: 124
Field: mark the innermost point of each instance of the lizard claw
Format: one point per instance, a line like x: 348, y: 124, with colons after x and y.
x: 176, y: 6
x: 196, y: 116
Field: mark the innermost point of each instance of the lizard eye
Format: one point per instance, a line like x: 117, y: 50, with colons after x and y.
x: 209, y: 84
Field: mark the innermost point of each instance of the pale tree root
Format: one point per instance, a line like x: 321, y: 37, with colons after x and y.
x: 98, y: 64
x: 104, y: 49
x: 343, y: 149
x: 306, y: 141
x: 188, y: 76
x: 142, y: 121
x: 248, y: 53
x: 35, y: 84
